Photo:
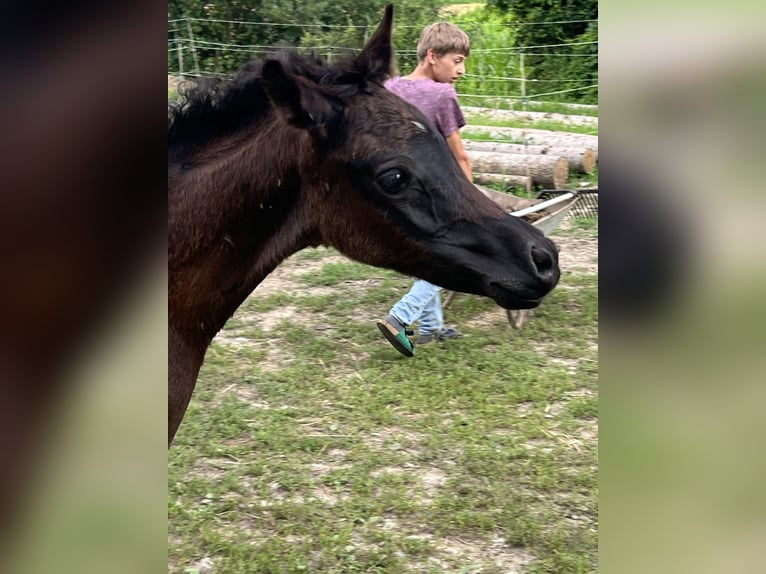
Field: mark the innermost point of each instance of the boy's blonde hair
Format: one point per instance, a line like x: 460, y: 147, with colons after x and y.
x: 443, y: 38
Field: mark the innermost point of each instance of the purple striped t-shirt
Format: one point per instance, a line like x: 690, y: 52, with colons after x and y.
x: 437, y: 100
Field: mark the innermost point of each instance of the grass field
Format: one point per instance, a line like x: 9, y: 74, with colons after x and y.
x: 311, y: 445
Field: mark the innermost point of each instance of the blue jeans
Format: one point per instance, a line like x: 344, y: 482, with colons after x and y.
x: 423, y: 303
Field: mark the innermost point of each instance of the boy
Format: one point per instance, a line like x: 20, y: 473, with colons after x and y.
x: 442, y: 51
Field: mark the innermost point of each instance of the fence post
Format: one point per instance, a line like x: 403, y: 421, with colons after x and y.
x: 193, y: 50
x: 523, y: 80
x: 180, y: 55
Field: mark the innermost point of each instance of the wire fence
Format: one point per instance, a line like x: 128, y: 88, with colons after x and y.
x: 498, y: 76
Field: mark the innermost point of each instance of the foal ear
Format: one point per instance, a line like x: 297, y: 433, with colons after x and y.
x: 302, y: 104
x: 375, y: 62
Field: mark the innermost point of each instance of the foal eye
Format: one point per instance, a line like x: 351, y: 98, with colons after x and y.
x: 393, y: 180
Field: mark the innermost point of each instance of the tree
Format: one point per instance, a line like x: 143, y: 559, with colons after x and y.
x: 559, y: 41
x: 492, y: 58
x: 229, y: 32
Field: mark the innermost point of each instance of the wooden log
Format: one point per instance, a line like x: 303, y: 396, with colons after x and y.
x: 533, y: 136
x: 506, y: 179
x: 529, y: 132
x: 581, y: 160
x: 550, y: 171
x: 476, y: 115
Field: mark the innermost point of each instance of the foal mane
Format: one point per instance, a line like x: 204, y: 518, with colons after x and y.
x: 215, y: 107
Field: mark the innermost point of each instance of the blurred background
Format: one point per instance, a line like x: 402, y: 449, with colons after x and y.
x: 681, y: 359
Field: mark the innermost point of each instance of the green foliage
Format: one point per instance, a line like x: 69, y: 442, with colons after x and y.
x: 226, y: 34
x: 489, y: 64
x: 555, y: 66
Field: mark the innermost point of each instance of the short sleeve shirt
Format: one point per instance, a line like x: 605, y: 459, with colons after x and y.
x: 437, y: 100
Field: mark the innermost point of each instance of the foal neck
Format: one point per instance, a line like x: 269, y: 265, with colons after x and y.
x: 234, y: 219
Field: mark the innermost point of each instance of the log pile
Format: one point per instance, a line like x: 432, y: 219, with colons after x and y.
x: 535, y: 136
x: 581, y: 159
x: 546, y: 158
x: 509, y: 180
x: 547, y: 170
x: 475, y: 115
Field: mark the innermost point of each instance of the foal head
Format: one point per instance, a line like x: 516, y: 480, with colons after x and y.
x: 348, y: 164
x: 385, y: 188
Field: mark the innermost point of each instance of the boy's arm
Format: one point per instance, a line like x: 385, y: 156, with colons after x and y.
x: 455, y: 143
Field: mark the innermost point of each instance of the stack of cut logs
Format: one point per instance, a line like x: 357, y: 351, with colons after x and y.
x: 546, y: 158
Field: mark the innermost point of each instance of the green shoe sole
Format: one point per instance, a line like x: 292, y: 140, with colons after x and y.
x: 398, y: 339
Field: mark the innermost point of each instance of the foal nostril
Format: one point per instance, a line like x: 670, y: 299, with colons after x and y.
x: 542, y: 260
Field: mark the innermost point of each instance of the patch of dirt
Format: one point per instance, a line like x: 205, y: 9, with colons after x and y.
x: 487, y: 317
x: 203, y: 566
x: 391, y: 439
x: 270, y: 319
x: 282, y: 279
x: 276, y: 355
x: 506, y: 558
x: 578, y: 254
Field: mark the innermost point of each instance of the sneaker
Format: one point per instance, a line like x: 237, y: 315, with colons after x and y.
x: 441, y: 335
x: 396, y: 334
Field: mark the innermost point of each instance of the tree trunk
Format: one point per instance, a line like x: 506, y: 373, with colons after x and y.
x: 474, y: 115
x: 581, y: 160
x: 531, y: 136
x: 506, y: 179
x: 542, y: 169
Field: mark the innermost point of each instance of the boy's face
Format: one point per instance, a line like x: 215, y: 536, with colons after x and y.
x: 447, y: 68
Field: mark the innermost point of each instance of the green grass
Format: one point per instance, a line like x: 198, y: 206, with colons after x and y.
x: 469, y: 133
x: 560, y: 108
x: 311, y: 445
x: 591, y: 179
